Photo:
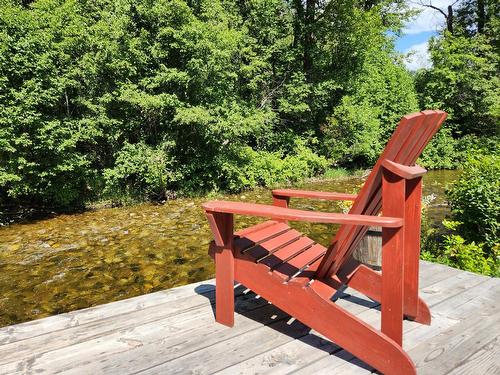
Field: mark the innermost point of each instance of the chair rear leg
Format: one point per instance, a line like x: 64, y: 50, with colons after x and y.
x: 369, y: 282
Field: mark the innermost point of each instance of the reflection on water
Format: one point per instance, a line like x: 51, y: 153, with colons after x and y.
x: 75, y: 261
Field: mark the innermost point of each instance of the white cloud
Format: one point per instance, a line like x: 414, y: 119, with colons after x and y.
x: 428, y: 19
x: 419, y: 57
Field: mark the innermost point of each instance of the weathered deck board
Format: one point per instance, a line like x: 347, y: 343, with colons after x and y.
x: 174, y: 331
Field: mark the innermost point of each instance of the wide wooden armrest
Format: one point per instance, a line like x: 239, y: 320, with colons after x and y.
x: 281, y: 213
x: 292, y: 193
x: 404, y: 171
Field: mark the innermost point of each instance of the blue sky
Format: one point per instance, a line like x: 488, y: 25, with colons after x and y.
x: 417, y: 32
x: 407, y: 41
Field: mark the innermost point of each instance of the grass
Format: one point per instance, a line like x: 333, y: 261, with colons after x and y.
x: 335, y: 173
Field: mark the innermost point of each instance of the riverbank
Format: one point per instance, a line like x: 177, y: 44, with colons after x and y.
x: 26, y: 214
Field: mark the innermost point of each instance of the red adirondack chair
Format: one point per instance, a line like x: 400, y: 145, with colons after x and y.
x: 300, y: 276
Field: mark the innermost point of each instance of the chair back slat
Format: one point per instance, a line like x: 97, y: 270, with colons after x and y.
x: 405, y: 146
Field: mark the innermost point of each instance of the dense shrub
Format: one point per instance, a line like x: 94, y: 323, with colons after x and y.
x: 447, y: 152
x: 141, y: 171
x: 352, y: 134
x: 269, y: 169
x: 453, y: 250
x: 143, y: 97
x: 475, y: 201
x: 473, y: 146
x: 92, y: 90
x: 441, y: 152
x: 215, y: 94
x: 471, y: 241
x: 363, y: 121
x: 464, y: 81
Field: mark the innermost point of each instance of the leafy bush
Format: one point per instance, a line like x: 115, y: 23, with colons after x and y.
x: 141, y: 171
x: 472, y: 146
x: 455, y: 251
x: 365, y: 118
x: 463, y: 81
x: 441, y: 152
x: 352, y: 134
x: 471, y: 241
x: 446, y: 152
x: 90, y: 90
x: 264, y: 168
x: 475, y: 201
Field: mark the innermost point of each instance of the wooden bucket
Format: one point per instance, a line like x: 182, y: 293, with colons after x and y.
x: 369, y: 250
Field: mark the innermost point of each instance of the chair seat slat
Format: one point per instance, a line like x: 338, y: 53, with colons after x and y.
x: 287, y: 252
x: 256, y: 237
x: 300, y: 262
x: 270, y: 246
x: 255, y: 228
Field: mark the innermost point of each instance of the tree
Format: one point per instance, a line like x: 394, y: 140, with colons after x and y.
x: 464, y: 77
x: 152, y: 96
x: 448, y: 14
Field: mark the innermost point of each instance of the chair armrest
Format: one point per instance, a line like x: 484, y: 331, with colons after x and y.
x: 404, y: 171
x: 280, y: 213
x: 314, y: 195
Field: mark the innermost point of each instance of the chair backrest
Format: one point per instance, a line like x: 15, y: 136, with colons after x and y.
x: 405, y: 146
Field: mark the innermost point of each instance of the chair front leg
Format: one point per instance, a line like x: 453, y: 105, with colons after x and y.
x: 393, y: 204
x: 222, y: 229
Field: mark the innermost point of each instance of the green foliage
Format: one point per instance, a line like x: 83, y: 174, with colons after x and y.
x: 457, y: 252
x: 475, y: 201
x: 101, y: 98
x: 352, y: 133
x: 464, y: 77
x: 471, y: 145
x: 142, y: 170
x: 250, y: 168
x: 472, y: 240
x: 441, y: 152
x: 464, y: 81
x: 446, y: 152
x: 378, y: 96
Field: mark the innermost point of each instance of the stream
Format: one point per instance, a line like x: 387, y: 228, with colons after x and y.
x: 75, y: 261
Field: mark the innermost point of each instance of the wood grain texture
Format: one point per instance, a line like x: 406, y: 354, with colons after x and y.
x: 404, y: 171
x: 393, y: 243
x: 140, y: 333
x: 274, y: 212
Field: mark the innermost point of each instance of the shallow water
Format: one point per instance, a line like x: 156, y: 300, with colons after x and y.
x: 75, y: 261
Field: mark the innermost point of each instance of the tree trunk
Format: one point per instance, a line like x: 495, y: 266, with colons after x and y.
x: 449, y: 19
x: 309, y: 38
x: 298, y: 22
x: 481, y: 16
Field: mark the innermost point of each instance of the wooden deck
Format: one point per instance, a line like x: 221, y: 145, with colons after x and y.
x: 173, y: 332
